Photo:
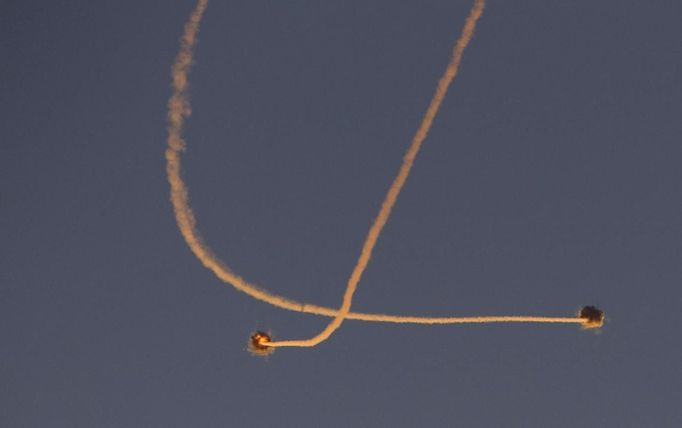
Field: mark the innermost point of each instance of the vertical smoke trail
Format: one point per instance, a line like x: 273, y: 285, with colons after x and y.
x: 178, y: 110
x: 397, y: 185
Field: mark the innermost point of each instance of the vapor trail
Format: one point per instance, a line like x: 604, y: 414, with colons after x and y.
x: 178, y: 110
x: 397, y: 185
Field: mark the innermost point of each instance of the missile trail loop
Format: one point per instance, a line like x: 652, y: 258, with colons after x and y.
x: 179, y: 110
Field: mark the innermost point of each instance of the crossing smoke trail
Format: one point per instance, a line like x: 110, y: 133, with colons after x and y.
x: 397, y: 185
x: 179, y: 109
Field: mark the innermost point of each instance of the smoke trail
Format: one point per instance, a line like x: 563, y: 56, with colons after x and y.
x: 178, y: 110
x: 397, y: 185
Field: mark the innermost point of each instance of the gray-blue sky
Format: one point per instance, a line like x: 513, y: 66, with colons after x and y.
x: 550, y: 180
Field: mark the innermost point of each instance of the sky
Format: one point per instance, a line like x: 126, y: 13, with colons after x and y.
x: 549, y: 181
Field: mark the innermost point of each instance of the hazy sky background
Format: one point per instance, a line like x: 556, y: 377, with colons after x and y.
x: 550, y: 180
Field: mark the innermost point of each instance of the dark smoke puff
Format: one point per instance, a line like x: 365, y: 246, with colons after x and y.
x: 594, y: 318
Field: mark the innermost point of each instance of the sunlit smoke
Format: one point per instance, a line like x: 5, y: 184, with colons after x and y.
x: 398, y: 182
x: 179, y: 110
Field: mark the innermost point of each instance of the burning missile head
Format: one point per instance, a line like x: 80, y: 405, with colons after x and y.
x: 593, y: 317
x: 257, y: 344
